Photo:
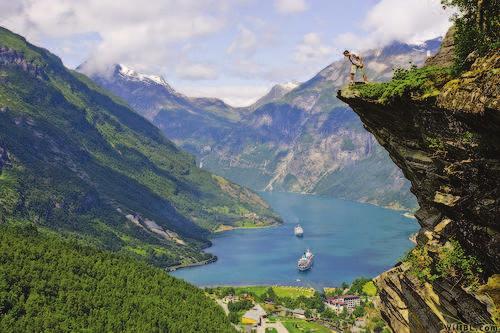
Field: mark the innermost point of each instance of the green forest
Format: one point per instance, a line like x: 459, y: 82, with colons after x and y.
x: 48, y: 284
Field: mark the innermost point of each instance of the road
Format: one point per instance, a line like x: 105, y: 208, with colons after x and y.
x: 223, y: 305
x: 261, y: 329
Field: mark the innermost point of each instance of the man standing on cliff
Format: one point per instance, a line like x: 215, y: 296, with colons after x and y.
x: 356, y: 64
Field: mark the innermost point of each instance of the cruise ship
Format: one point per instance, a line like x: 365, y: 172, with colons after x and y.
x: 298, y: 231
x: 306, y: 261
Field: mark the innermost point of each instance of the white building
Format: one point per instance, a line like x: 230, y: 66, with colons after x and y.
x: 338, y: 303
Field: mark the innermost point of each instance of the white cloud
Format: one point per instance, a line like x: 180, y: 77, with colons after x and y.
x: 235, y: 95
x: 245, y: 43
x: 196, y: 72
x: 410, y: 21
x: 311, y: 49
x: 139, y: 34
x: 290, y: 6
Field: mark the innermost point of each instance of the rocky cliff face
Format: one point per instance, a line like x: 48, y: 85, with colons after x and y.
x: 12, y: 57
x: 447, y: 143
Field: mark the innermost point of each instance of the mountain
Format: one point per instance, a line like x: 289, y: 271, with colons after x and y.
x: 193, y: 123
x: 298, y: 137
x: 442, y: 130
x: 276, y: 92
x: 79, y: 161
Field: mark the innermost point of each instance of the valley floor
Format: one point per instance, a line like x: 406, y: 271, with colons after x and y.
x: 281, y: 309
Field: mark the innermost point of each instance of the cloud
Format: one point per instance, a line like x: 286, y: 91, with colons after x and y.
x: 140, y: 35
x: 312, y: 49
x: 245, y: 42
x: 235, y: 95
x: 290, y: 6
x: 196, y: 72
x: 410, y: 21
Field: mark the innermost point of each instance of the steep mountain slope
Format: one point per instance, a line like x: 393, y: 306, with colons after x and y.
x: 299, y: 137
x: 444, y: 133
x: 79, y: 161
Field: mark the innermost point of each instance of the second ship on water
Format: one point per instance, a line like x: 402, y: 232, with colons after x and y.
x: 306, y: 261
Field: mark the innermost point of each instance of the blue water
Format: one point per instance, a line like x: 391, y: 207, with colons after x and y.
x: 348, y: 240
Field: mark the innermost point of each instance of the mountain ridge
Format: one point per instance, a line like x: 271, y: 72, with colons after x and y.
x: 78, y: 160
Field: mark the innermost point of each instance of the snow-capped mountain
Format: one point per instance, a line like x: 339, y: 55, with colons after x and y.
x: 149, y: 94
x: 130, y: 74
x: 179, y: 116
x: 287, y: 86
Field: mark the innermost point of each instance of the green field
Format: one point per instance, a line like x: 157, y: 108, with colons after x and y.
x: 302, y: 326
x: 281, y: 291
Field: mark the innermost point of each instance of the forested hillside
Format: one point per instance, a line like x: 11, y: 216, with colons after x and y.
x: 81, y: 162
x: 51, y: 285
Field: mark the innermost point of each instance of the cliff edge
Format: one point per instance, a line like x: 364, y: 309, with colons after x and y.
x: 444, y: 133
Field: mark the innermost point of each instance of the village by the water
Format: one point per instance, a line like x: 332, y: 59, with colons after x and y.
x: 282, y: 309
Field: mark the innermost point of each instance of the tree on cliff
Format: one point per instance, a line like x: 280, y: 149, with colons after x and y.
x: 478, y: 28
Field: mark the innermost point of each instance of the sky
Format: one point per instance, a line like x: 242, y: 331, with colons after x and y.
x: 231, y: 49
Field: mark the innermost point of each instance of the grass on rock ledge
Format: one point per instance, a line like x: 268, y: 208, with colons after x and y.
x: 422, y: 82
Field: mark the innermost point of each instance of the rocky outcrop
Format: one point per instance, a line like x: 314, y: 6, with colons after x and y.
x: 446, y: 54
x: 410, y: 306
x: 448, y: 145
x: 11, y: 57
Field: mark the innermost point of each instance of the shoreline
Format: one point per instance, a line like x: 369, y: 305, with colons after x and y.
x: 194, y: 264
x: 409, y: 215
x: 391, y: 207
x: 223, y: 228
